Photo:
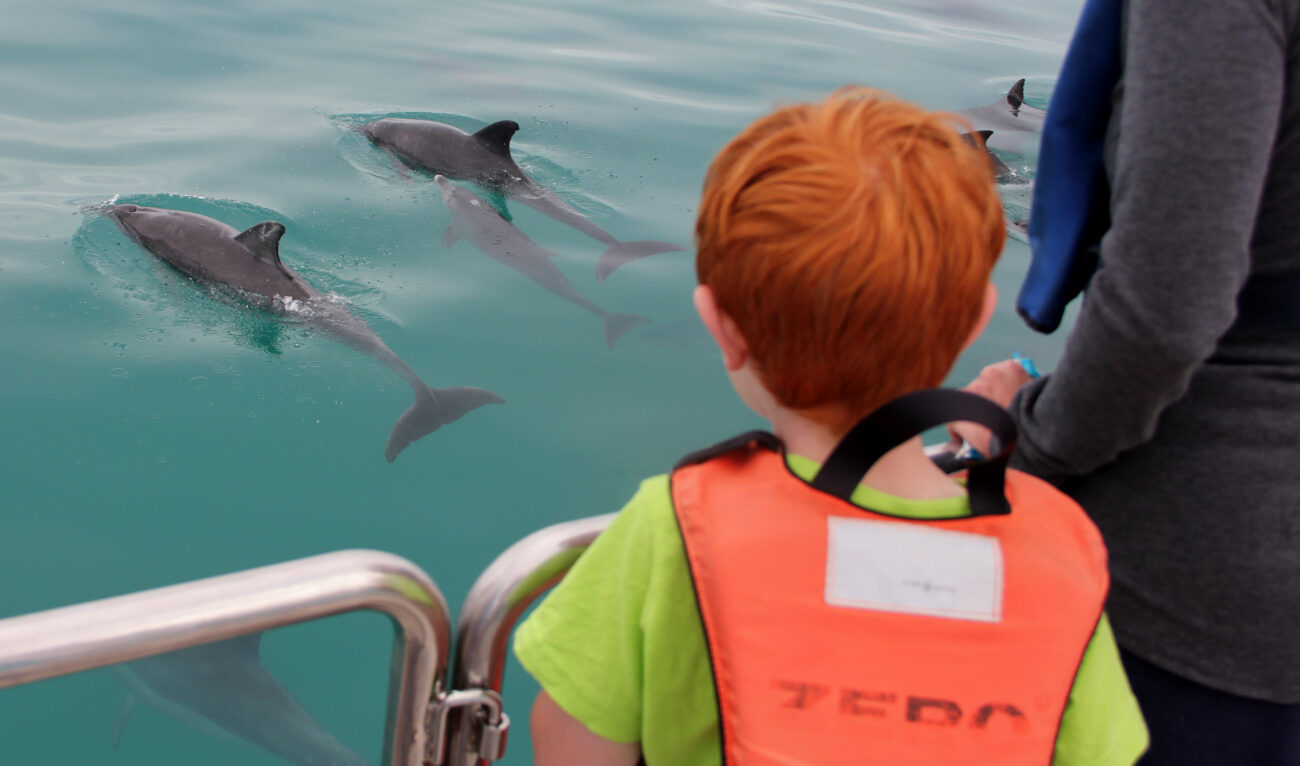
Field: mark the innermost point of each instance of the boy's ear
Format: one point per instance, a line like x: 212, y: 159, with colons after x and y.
x: 735, y: 351
x: 986, y: 313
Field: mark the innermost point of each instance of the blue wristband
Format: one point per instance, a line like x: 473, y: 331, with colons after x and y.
x: 1027, y: 364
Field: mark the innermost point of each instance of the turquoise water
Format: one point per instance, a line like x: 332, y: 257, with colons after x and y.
x: 154, y: 435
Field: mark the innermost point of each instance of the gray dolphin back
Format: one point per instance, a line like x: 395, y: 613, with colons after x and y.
x: 439, y: 148
x: 249, y: 261
x: 1015, y: 125
x: 484, y: 158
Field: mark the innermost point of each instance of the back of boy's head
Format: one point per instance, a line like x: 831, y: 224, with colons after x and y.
x: 852, y: 242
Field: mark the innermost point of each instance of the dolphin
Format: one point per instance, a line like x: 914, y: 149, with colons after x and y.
x: 484, y: 158
x: 1001, y: 173
x: 1015, y: 124
x: 224, y: 687
x: 247, y: 265
x: 480, y: 223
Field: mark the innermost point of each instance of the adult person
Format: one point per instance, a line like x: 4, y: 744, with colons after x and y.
x: 1173, y: 412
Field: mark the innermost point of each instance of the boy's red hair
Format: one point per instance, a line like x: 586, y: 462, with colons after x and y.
x: 851, y: 241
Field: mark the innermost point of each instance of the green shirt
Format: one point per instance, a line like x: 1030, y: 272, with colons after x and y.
x: 620, y: 646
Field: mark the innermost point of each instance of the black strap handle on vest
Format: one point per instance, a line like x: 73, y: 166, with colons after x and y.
x: 910, y: 415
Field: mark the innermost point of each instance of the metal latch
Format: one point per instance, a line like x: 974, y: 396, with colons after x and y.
x: 484, y: 709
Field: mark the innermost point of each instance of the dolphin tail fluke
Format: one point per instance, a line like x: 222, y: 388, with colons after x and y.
x: 624, y: 252
x: 433, y: 408
x: 617, y: 324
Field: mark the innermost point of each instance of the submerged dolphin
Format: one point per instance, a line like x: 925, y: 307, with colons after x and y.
x: 1016, y: 125
x: 225, y: 686
x: 484, y: 158
x: 248, y: 262
x: 480, y: 223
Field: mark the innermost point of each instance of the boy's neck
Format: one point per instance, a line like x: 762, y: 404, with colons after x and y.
x: 905, y: 471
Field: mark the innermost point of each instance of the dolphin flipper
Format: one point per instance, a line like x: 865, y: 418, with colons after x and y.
x: 433, y: 408
x: 617, y: 324
x: 624, y: 252
x: 451, y: 236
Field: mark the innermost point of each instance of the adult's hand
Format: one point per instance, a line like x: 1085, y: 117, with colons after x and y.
x: 999, y: 383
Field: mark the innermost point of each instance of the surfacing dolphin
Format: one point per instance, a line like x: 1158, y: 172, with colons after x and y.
x: 225, y: 686
x: 480, y: 223
x: 1001, y: 173
x: 484, y: 158
x: 247, y: 264
x: 1016, y: 125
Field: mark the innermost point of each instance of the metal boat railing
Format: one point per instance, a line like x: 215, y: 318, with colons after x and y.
x: 427, y: 722
x: 498, y: 597
x: 57, y: 642
x: 458, y: 724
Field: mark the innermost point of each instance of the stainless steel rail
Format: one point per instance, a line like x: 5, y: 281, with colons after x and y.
x: 466, y: 716
x: 498, y: 597
x: 60, y: 641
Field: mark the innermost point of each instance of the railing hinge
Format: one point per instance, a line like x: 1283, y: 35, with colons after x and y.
x: 485, y: 710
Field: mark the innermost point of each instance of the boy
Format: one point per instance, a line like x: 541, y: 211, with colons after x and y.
x: 737, y: 612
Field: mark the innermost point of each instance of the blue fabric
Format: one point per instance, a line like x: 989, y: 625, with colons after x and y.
x: 1070, y: 209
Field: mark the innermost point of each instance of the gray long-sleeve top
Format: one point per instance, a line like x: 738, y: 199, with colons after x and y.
x: 1177, y: 436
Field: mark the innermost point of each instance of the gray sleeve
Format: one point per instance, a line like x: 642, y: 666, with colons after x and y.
x: 1202, y: 96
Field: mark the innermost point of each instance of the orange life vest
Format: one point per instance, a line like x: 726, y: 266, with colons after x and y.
x: 950, y: 641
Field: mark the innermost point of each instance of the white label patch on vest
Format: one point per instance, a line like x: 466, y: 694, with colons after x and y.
x: 913, y: 569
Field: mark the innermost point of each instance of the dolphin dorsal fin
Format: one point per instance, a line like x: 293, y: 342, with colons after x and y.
x: 496, y: 137
x: 263, y: 241
x: 1016, y: 96
x: 983, y: 142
